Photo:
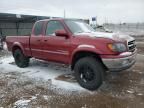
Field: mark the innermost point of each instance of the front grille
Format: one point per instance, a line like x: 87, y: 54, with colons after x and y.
x: 131, y: 46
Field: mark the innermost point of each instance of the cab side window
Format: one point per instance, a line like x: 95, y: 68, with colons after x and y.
x: 52, y: 26
x: 38, y: 28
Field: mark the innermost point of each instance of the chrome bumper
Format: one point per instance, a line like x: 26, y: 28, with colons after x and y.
x: 119, y: 64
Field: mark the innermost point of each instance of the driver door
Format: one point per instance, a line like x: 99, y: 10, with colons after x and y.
x: 55, y: 48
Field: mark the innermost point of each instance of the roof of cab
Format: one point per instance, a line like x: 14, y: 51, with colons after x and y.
x: 59, y: 19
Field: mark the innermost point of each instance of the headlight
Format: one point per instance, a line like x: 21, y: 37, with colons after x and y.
x: 117, y: 47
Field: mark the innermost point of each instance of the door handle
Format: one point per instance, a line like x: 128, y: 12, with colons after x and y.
x: 45, y: 40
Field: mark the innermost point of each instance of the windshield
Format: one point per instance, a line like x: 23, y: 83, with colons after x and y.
x: 78, y: 26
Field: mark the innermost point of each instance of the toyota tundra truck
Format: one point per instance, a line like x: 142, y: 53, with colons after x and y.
x: 90, y: 54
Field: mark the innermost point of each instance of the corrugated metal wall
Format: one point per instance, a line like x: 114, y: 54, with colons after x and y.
x: 9, y: 29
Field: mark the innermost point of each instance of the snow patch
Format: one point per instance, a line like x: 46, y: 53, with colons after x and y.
x: 5, y: 46
x: 140, y: 94
x: 21, y: 103
x: 33, y: 97
x: 42, y: 69
x: 130, y: 91
x: 46, y: 97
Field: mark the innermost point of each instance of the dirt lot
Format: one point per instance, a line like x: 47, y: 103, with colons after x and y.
x: 51, y: 85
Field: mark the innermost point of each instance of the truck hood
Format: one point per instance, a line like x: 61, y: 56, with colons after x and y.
x: 113, y: 36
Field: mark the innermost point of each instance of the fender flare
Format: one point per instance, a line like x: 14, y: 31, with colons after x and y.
x: 85, y: 48
x: 17, y: 44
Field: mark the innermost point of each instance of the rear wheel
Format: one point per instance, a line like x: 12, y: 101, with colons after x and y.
x: 20, y: 59
x: 89, y: 73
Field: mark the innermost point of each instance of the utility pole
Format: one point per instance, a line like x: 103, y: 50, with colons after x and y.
x: 64, y: 13
x: 96, y: 21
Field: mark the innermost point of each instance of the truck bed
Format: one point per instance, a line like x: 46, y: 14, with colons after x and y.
x: 21, y: 40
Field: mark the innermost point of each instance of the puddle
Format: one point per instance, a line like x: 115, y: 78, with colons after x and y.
x: 67, y: 78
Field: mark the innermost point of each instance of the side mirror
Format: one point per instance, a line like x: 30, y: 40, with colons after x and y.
x: 61, y: 33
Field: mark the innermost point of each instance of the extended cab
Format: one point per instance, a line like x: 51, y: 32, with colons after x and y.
x: 90, y: 54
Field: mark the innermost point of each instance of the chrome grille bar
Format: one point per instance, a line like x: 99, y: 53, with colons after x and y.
x: 131, y: 46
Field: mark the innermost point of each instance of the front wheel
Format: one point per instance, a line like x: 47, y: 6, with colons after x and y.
x: 20, y: 59
x: 89, y: 73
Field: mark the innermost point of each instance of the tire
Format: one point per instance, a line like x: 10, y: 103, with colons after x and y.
x: 89, y: 73
x: 20, y: 60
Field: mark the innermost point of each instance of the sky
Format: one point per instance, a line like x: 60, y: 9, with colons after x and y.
x: 106, y: 11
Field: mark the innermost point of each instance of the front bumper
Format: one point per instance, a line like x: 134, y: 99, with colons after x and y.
x: 119, y: 64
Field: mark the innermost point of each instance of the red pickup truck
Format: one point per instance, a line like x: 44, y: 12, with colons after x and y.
x: 90, y: 54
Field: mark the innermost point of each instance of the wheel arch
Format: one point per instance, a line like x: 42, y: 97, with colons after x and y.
x: 17, y: 45
x: 80, y: 54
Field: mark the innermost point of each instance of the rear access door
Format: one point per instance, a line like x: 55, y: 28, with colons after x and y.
x: 36, y: 40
